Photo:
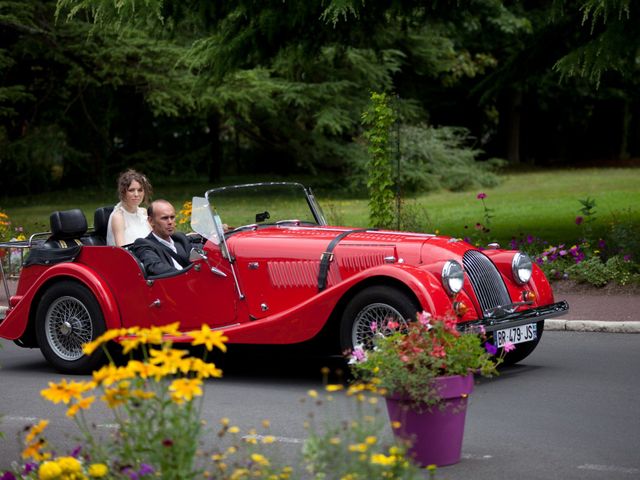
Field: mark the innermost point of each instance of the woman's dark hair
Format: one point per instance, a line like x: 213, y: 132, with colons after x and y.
x: 128, y: 176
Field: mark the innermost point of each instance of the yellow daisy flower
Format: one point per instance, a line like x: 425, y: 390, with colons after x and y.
x: 209, y: 338
x: 184, y: 389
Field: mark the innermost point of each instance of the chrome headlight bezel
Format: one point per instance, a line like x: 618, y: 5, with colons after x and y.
x: 452, y: 277
x: 522, y: 268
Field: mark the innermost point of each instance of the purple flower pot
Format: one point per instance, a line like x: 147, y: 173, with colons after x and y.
x: 434, y: 434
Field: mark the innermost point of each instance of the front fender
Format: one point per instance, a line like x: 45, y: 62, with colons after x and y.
x: 425, y: 285
x: 18, y: 317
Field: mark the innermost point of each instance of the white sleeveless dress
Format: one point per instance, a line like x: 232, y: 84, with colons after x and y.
x: 135, y: 225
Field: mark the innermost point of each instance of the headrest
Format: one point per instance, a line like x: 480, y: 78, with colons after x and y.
x: 67, y: 224
x: 101, y: 220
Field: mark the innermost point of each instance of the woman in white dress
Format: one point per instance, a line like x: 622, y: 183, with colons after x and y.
x: 129, y: 220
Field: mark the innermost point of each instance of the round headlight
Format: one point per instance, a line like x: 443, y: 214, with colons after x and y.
x: 521, y: 267
x: 452, y: 277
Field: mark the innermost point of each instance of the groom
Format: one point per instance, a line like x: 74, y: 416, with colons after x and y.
x: 164, y: 250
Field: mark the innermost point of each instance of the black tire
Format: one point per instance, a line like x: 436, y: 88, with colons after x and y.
x: 377, y: 304
x: 68, y: 316
x: 523, y: 350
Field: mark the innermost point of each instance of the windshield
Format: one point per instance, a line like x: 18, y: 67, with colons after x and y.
x: 202, y: 220
x: 250, y: 206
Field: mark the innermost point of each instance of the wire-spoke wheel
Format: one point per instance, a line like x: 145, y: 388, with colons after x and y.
x: 68, y: 326
x: 375, y: 310
x: 69, y: 316
x: 377, y: 318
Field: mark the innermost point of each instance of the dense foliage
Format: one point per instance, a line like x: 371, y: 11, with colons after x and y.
x: 204, y: 89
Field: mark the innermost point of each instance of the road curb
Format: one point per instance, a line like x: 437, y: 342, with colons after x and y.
x: 592, y: 326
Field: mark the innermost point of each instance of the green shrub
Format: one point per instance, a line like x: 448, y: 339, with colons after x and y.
x: 598, y: 273
x: 433, y: 158
x: 592, y: 270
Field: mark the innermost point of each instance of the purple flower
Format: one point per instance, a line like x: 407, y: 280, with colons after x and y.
x: 146, y: 469
x: 579, y: 220
x: 481, y: 196
x: 75, y: 453
x: 602, y: 243
x: 30, y: 467
x: 627, y: 258
x: 8, y: 476
x: 529, y: 239
x: 491, y: 349
x: 131, y: 473
x: 513, y: 244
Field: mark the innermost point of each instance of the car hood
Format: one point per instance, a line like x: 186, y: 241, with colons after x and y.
x: 359, y: 247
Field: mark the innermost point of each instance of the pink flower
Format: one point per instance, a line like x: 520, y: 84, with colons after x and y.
x: 438, y: 351
x: 374, y: 327
x: 481, y: 196
x: 358, y: 355
x: 508, y: 346
x: 424, y: 318
x: 391, y: 325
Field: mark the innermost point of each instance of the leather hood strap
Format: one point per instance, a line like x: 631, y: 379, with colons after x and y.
x: 327, y: 256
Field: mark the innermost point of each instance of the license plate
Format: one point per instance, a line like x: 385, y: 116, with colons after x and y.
x: 520, y: 334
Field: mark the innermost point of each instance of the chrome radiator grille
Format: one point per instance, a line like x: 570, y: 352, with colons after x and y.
x: 486, y: 280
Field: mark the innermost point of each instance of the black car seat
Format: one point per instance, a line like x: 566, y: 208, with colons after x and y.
x: 67, y: 227
x: 100, y: 223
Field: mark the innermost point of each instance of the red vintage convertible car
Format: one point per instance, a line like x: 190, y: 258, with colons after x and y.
x: 281, y: 276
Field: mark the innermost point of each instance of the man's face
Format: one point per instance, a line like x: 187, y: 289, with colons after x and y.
x: 163, y: 221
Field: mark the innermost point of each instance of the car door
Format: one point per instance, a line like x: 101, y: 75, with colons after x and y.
x: 202, y: 294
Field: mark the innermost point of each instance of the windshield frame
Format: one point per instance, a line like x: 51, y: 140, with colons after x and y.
x: 219, y: 234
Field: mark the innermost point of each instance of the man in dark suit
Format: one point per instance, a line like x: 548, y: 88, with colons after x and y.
x: 164, y: 250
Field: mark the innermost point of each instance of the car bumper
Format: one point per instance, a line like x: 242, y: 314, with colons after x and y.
x: 516, y: 318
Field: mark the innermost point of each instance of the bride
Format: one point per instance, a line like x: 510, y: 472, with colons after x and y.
x: 128, y: 220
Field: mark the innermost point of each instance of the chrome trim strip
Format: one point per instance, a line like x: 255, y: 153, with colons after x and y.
x: 517, y: 318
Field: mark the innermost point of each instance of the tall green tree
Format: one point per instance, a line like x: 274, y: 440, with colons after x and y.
x: 313, y: 64
x: 72, y: 98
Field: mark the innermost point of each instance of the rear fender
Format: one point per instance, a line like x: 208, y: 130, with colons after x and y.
x: 23, y: 312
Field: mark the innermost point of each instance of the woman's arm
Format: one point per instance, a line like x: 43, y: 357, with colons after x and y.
x: 117, y: 227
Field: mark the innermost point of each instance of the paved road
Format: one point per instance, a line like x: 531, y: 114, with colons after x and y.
x: 570, y: 411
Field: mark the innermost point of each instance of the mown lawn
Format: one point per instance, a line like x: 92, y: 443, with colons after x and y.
x: 543, y: 204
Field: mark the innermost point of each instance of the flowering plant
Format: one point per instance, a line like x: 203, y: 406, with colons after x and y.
x: 407, y: 361
x: 183, y: 217
x: 156, y: 399
x: 5, y: 226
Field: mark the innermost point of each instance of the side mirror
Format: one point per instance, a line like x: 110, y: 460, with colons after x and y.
x: 197, y: 254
